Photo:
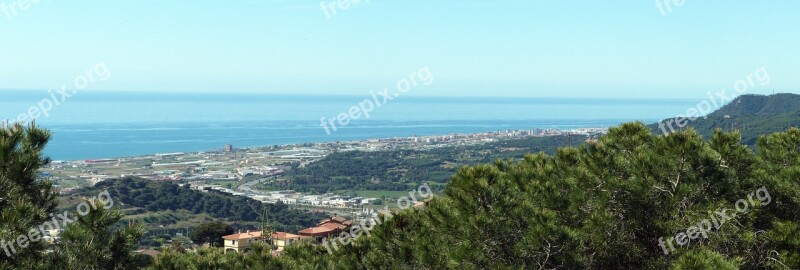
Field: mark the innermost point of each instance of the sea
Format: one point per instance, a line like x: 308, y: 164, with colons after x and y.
x: 105, y: 124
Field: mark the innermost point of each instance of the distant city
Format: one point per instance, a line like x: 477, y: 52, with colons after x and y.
x: 237, y: 171
x: 212, y: 169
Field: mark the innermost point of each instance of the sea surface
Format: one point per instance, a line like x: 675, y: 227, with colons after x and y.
x: 92, y: 125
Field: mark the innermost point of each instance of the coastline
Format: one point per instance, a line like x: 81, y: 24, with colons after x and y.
x: 231, y: 165
x: 98, y: 124
x: 433, y: 138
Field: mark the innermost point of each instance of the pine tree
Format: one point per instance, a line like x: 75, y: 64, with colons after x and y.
x: 27, y: 204
x: 25, y: 200
x: 211, y: 233
x: 91, y: 243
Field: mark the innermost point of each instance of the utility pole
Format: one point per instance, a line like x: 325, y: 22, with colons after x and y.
x: 569, y: 140
x: 266, y: 229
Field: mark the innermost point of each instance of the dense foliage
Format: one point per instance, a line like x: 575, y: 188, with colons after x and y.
x: 603, y: 205
x: 27, y: 207
x: 401, y: 170
x: 167, y: 196
x: 609, y: 204
x: 298, y: 256
x: 25, y: 201
x: 89, y: 243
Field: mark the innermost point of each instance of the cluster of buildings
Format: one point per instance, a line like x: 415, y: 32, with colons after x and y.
x: 233, y: 164
x: 290, y: 197
x: 296, y: 198
x: 464, y: 139
x: 325, y: 233
x: 244, y: 241
x: 208, y: 188
x: 588, y: 131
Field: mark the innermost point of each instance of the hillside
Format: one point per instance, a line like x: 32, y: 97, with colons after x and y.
x: 631, y: 200
x: 398, y: 170
x: 752, y: 115
x: 401, y: 170
x: 165, y: 208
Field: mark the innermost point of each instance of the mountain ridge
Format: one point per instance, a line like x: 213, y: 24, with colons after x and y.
x: 752, y: 115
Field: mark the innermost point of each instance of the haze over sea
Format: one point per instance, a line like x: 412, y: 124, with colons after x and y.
x: 96, y: 124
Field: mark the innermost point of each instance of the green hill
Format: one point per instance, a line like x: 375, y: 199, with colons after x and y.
x: 398, y: 170
x: 401, y: 170
x: 164, y: 208
x: 752, y: 115
x: 631, y: 200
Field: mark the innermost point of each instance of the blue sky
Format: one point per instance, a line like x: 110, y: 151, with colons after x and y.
x: 564, y: 48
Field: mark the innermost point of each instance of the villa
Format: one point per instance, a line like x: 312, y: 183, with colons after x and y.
x: 241, y: 242
x: 327, y: 228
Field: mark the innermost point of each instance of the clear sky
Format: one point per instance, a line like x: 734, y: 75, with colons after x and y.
x: 555, y: 48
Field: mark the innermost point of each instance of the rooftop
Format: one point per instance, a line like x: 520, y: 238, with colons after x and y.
x: 317, y: 231
x: 285, y: 236
x: 244, y: 235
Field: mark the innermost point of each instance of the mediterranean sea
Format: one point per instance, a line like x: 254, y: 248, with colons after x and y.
x: 94, y: 124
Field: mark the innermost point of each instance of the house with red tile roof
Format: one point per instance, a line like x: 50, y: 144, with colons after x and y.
x: 327, y: 228
x: 241, y: 242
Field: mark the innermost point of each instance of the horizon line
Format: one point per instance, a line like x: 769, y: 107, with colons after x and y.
x: 235, y: 92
